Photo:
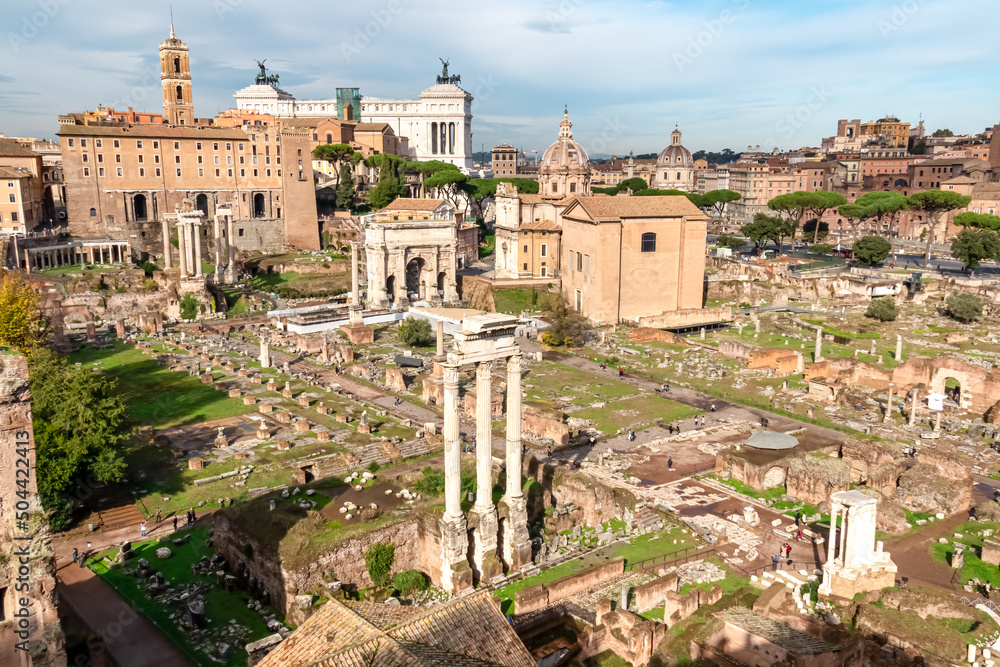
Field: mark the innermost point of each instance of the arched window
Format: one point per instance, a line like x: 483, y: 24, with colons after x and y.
x: 649, y: 242
x: 678, y: 175
x: 329, y: 138
x: 139, y: 207
x: 177, y: 65
x: 93, y: 213
x: 180, y: 94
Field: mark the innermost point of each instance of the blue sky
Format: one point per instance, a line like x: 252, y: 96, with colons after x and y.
x: 730, y: 73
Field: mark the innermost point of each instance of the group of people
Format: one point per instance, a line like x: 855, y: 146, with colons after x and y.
x: 784, y: 552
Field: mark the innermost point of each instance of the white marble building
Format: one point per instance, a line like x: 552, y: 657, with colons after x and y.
x: 437, y: 125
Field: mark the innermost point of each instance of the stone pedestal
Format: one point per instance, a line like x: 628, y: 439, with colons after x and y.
x: 304, y: 401
x: 301, y: 426
x: 358, y: 334
x: 234, y: 393
x: 283, y: 417
x: 271, y: 385
x: 196, y: 463
x: 516, y: 547
x: 323, y: 436
x: 485, y: 562
x: 265, y: 408
x: 249, y: 400
x: 364, y: 428
x: 263, y: 433
x: 283, y: 445
x: 456, y: 575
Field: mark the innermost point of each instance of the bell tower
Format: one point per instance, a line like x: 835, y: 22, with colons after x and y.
x: 175, y: 75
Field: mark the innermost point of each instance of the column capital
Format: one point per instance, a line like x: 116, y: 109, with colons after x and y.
x: 450, y: 372
x: 484, y: 369
x: 515, y: 363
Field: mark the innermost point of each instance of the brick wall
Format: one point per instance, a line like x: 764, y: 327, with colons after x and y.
x: 654, y: 592
x: 537, y: 597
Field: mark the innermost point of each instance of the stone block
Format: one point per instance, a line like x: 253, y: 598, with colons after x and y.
x: 271, y: 386
x: 249, y: 400
x: 196, y: 463
x: 263, y: 433
x: 235, y: 393
x: 323, y: 436
x: 342, y: 418
x: 364, y: 428
x: 256, y: 379
x: 304, y: 401
x: 430, y: 428
x: 230, y: 368
x: 283, y: 445
x: 265, y: 408
x: 208, y: 378
x: 242, y: 373
x: 358, y: 334
x: 322, y: 409
x: 301, y: 426
x: 283, y: 417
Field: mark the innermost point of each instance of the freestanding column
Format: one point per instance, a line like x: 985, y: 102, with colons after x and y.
x: 516, y: 539
x: 219, y: 268
x: 452, y: 450
x: 899, y: 349
x: 913, y: 406
x: 196, y: 240
x: 514, y: 427
x: 440, y: 337
x: 843, y: 534
x: 831, y: 546
x: 230, y: 251
x: 818, y: 354
x: 182, y: 248
x: 355, y: 291
x: 27, y: 260
x: 484, y: 435
x: 888, y: 406
x: 456, y: 574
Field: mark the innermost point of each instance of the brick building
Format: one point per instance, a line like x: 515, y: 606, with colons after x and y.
x: 121, y: 179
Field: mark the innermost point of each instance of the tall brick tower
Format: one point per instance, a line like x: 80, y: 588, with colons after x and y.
x: 175, y: 75
x: 995, y: 153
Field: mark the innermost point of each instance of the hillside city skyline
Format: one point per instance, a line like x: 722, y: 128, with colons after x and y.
x: 657, y: 82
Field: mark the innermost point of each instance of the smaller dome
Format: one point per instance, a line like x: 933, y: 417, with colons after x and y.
x: 675, y: 155
x: 565, y: 155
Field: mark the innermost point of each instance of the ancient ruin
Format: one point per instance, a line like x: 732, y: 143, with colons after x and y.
x: 855, y: 561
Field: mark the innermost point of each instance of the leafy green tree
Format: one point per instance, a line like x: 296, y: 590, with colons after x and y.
x: 696, y: 199
x: 971, y: 246
x: 568, y: 327
x: 449, y: 183
x: 409, y: 581
x: 415, y: 333
x: 390, y: 185
x: 965, y: 307
x: 346, y: 194
x: 881, y: 206
x: 717, y: 199
x: 337, y: 155
x: 871, y: 250
x: 883, y: 309
x: 821, y: 248
x: 854, y: 213
x: 935, y: 204
x: 980, y: 220
x: 22, y: 325
x: 633, y: 184
x: 944, y: 132
x: 189, y: 306
x: 378, y: 561
x: 479, y: 190
x: 762, y: 229
x: 730, y: 241
x: 801, y: 202
x: 81, y: 431
x: 653, y: 192
x: 810, y: 227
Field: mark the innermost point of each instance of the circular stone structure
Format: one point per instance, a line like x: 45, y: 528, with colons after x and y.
x: 771, y: 440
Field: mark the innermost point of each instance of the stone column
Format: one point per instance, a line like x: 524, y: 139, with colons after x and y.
x: 182, y: 248
x: 230, y: 251
x: 452, y: 448
x: 196, y: 240
x: 888, y: 406
x: 514, y: 426
x: 913, y: 406
x: 516, y: 539
x: 440, y: 339
x: 166, y: 244
x: 219, y: 267
x: 355, y: 291
x: 484, y: 435
x: 818, y: 354
x: 899, y: 348
x: 937, y: 420
x: 831, y: 544
x: 846, y: 512
x: 456, y: 574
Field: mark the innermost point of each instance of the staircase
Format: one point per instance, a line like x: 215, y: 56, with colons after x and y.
x: 120, y: 517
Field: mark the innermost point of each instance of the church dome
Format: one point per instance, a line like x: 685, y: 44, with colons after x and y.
x: 675, y: 155
x: 565, y: 156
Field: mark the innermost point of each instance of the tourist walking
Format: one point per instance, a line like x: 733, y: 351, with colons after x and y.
x: 788, y: 553
x: 670, y: 463
x: 175, y: 522
x: 713, y: 407
x: 142, y: 529
x: 621, y: 371
x: 157, y: 515
x: 798, y: 518
x: 774, y: 562
x: 76, y: 554
x: 631, y: 436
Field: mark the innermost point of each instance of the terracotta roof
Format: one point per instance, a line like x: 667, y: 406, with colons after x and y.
x: 468, y: 632
x: 608, y: 209
x: 372, y: 127
x: 11, y: 172
x: 986, y: 191
x: 541, y: 226
x: 413, y: 204
x: 540, y: 199
x: 959, y: 180
x: 10, y: 148
x: 152, y: 131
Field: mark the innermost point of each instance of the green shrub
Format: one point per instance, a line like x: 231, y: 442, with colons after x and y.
x: 883, y: 309
x: 965, y: 307
x: 409, y: 581
x: 415, y: 333
x: 150, y: 285
x: 373, y: 467
x: 871, y: 250
x: 821, y: 248
x: 189, y: 306
x: 378, y: 561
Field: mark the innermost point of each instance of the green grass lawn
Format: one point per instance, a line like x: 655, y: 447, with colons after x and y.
x: 157, y: 396
x: 618, y: 415
x: 516, y: 301
x: 304, y: 282
x: 972, y: 537
x: 220, y: 605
